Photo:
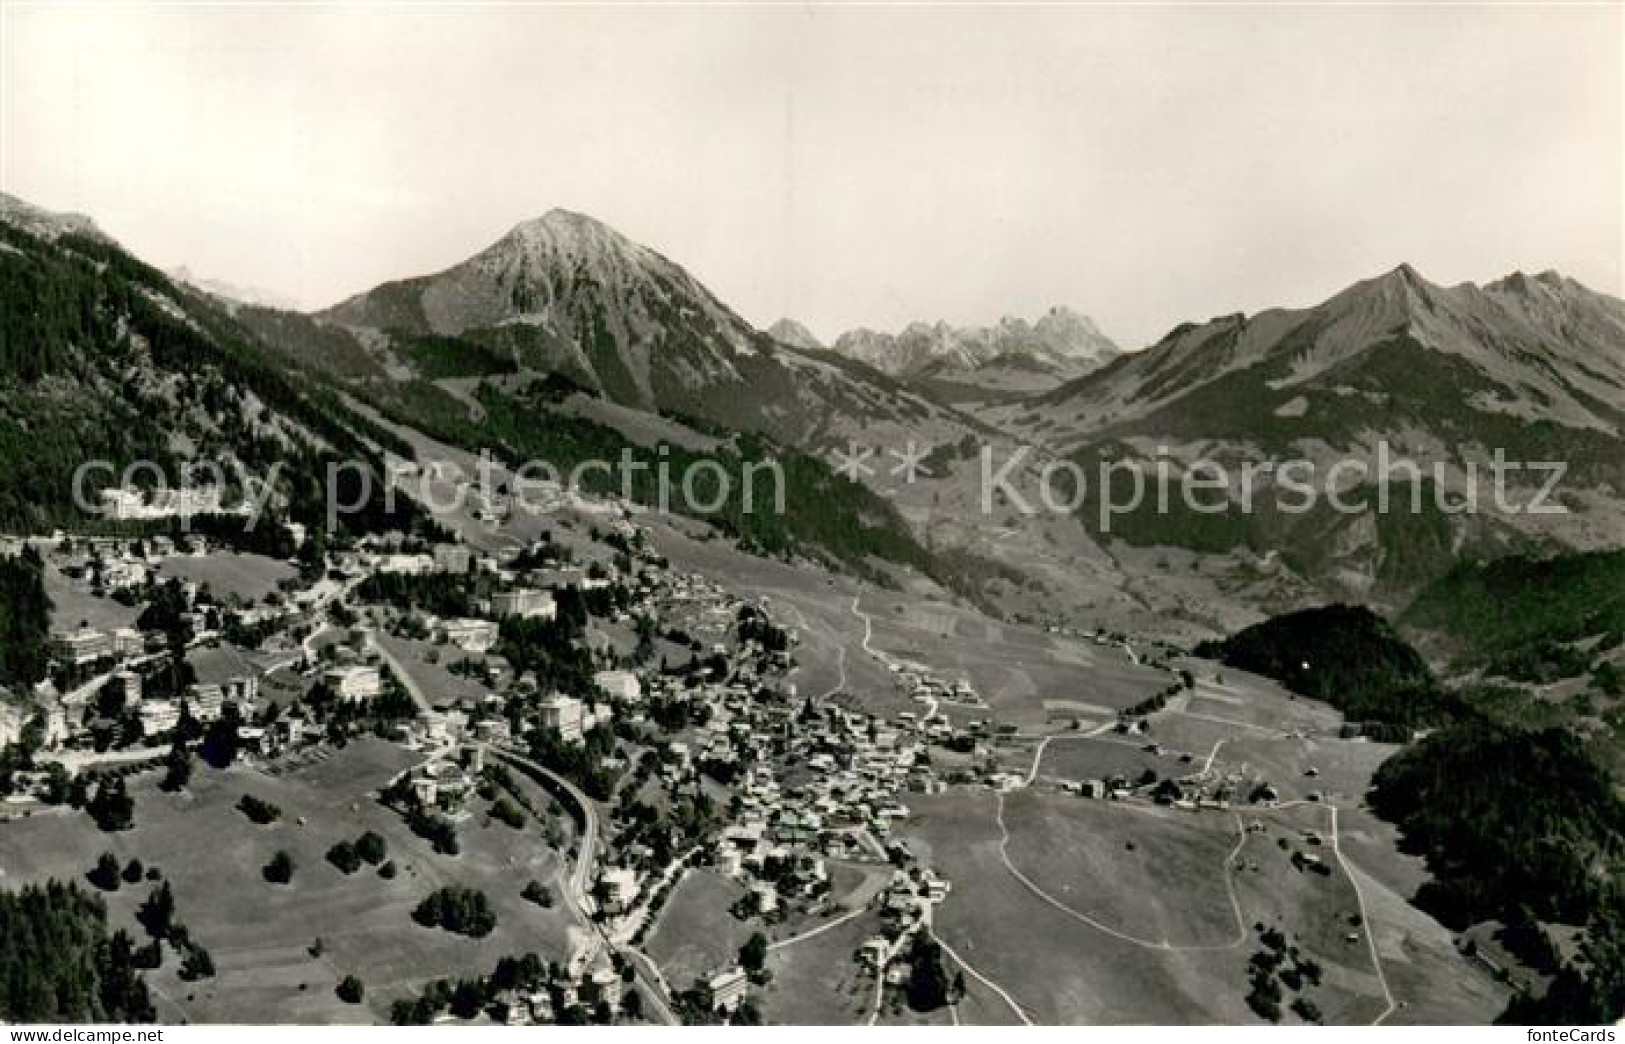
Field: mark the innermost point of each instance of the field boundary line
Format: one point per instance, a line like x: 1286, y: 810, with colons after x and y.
x: 1366, y: 922
x: 1235, y: 906
x: 984, y: 980
x: 820, y: 930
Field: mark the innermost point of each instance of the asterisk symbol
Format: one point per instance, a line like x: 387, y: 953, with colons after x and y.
x: 853, y: 462
x: 910, y: 462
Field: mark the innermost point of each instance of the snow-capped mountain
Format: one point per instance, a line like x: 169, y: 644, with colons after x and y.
x: 1061, y: 344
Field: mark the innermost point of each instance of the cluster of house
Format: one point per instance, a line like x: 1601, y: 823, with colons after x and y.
x: 205, y: 702
x: 921, y: 685
x: 906, y: 905
x: 805, y: 787
x: 572, y: 717
x: 543, y: 1006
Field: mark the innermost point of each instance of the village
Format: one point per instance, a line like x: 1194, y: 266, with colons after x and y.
x: 773, y: 782
x: 658, y: 709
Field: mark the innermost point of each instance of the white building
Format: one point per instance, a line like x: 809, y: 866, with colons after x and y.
x: 727, y: 990
x: 122, y: 504
x: 12, y: 720
x: 619, y: 685
x: 206, y: 702
x: 562, y: 713
x: 469, y: 634
x: 452, y: 558
x: 159, y: 716
x: 355, y: 684
x: 127, y: 641
x: 620, y: 888
x: 526, y: 602
x: 408, y: 565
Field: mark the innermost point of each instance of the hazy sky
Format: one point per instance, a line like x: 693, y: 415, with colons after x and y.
x: 856, y: 166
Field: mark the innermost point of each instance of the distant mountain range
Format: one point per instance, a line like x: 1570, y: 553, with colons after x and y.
x: 792, y: 333
x: 1013, y: 355
x: 1532, y: 365
x: 1393, y: 350
x: 231, y: 293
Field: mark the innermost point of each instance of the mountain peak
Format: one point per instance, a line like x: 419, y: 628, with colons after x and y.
x: 1520, y: 282
x: 1403, y: 275
x: 1061, y: 341
x: 566, y: 232
x: 788, y: 331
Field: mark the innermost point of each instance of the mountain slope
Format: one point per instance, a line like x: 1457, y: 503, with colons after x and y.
x: 1440, y: 376
x: 105, y: 361
x: 573, y: 296
x: 1520, y: 351
x: 792, y: 333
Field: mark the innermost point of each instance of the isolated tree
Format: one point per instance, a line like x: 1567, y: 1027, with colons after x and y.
x: 197, y: 964
x: 111, y: 807
x: 177, y: 768
x: 753, y: 955
x: 105, y: 874
x: 280, y: 869
x: 350, y: 990
x: 371, y: 847
x: 927, y: 986
x: 157, y: 914
x: 343, y: 856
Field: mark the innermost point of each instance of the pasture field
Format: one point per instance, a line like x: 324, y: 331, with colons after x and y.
x: 1059, y: 970
x: 1227, y: 694
x: 1016, y: 669
x: 229, y: 573
x: 440, y: 685
x: 1147, y: 872
x: 818, y: 982
x: 1134, y: 913
x: 72, y: 603
x: 261, y: 934
x: 1338, y: 771
x: 1077, y: 757
x: 696, y: 936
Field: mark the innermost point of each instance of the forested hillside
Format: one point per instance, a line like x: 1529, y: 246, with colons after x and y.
x: 1520, y: 616
x: 104, y: 359
x: 1348, y: 656
x: 58, y: 962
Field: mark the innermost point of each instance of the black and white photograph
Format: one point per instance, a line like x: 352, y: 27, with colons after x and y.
x: 931, y: 517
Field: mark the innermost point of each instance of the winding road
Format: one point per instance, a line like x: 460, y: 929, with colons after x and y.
x: 577, y: 884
